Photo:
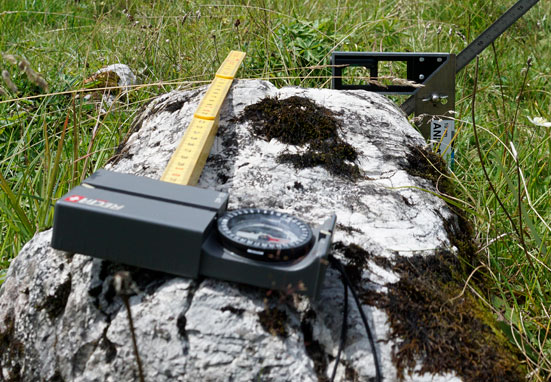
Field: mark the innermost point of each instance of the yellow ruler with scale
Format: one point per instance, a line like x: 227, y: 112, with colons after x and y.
x: 187, y: 162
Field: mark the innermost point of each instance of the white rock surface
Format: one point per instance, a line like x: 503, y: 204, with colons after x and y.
x: 60, y: 319
x: 126, y: 75
x: 127, y: 78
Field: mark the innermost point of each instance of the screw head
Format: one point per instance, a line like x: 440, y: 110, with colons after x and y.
x: 421, y: 76
x: 421, y: 59
x: 439, y: 59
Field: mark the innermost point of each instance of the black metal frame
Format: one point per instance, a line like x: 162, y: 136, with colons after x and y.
x: 435, y: 72
x: 419, y: 67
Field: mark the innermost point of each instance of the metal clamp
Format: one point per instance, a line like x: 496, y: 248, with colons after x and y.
x: 435, y: 71
x: 431, y: 77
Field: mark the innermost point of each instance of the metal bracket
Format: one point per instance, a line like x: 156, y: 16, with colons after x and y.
x: 436, y: 98
x: 435, y: 71
x: 432, y: 77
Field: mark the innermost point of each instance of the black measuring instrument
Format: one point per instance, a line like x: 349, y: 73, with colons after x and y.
x: 433, y: 102
x: 265, y: 234
x: 174, y: 227
x: 186, y: 231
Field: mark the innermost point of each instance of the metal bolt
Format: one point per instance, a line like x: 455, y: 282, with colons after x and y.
x: 421, y: 76
x: 434, y: 98
x: 421, y: 59
x: 439, y: 59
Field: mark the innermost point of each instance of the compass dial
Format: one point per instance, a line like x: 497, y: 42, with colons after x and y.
x: 265, y: 234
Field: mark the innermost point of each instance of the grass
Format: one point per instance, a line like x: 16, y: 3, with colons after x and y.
x: 50, y: 140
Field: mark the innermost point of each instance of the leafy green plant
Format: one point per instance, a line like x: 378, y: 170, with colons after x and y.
x: 295, y: 50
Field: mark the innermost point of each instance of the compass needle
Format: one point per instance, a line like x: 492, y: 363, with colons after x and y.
x: 265, y: 234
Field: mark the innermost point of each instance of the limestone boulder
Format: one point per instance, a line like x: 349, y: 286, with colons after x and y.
x: 61, y: 318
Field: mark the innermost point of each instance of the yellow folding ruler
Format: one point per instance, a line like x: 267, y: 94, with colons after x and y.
x: 187, y: 162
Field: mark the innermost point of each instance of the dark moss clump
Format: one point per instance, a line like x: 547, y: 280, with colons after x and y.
x: 425, y: 163
x: 231, y: 309
x: 429, y: 165
x: 437, y: 323
x: 348, y: 229
x: 294, y: 120
x: 299, y: 121
x: 351, y: 375
x: 356, y: 260
x: 273, y: 321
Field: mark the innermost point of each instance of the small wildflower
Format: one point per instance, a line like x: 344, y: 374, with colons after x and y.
x: 540, y: 121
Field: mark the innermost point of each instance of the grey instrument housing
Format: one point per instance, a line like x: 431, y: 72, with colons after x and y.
x: 172, y: 228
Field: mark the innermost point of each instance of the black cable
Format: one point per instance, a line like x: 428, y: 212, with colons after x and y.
x: 346, y: 281
x: 343, y: 331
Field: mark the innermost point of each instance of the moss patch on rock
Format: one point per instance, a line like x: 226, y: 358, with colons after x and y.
x: 273, y: 321
x: 432, y: 167
x: 429, y: 165
x: 299, y: 121
x: 356, y: 260
x: 434, y: 321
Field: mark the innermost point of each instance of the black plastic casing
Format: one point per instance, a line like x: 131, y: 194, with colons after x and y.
x: 137, y: 221
x: 172, y: 228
